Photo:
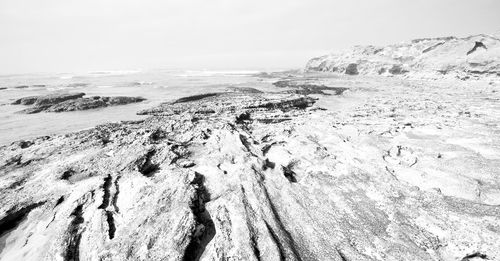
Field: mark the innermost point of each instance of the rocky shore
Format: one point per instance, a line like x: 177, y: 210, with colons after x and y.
x: 409, y: 171
x: 60, y: 102
x: 472, y: 57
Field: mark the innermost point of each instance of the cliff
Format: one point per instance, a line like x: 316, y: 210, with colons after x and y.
x: 467, y: 57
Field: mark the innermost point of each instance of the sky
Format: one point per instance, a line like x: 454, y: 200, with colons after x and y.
x: 94, y: 35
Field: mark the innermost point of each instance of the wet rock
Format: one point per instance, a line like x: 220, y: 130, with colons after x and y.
x: 217, y: 102
x: 26, y: 100
x: 305, y: 88
x: 72, y: 102
x: 92, y: 103
x: 77, y: 105
x: 121, y: 100
x: 195, y: 97
x: 52, y: 99
x: 243, y: 89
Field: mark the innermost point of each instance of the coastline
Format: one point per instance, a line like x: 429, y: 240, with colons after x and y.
x: 405, y: 170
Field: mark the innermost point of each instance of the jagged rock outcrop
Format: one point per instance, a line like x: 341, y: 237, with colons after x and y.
x: 263, y: 176
x: 428, y: 57
x: 61, y: 102
x: 49, y: 99
x: 306, y: 88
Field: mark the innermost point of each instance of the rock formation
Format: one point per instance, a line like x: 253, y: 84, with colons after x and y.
x: 49, y: 99
x: 429, y: 57
x: 306, y: 88
x: 264, y: 176
x: 61, y: 102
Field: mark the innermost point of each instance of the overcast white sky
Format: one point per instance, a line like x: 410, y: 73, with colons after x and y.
x: 88, y: 35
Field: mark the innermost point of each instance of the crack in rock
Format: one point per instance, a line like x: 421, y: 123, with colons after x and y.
x: 204, y: 230
x: 106, y: 201
x: 72, y: 252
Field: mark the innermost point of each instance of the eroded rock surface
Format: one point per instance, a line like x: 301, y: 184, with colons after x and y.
x: 265, y: 176
x: 49, y: 99
x: 464, y: 58
x: 61, y: 102
x: 307, y: 88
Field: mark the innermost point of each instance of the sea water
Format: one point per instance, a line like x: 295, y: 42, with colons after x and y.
x: 156, y: 86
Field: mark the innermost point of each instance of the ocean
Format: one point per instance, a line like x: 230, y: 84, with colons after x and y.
x: 156, y: 86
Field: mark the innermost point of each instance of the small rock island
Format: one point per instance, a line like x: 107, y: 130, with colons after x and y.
x: 61, y: 102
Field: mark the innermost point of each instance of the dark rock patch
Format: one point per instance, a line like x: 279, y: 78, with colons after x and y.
x: 397, y: 69
x: 352, y: 69
x: 477, y: 45
x: 243, y: 118
x: 92, y: 103
x: 289, y: 174
x: 52, y: 99
x: 474, y: 256
x: 273, y: 120
x: 59, y: 201
x: 71, y: 102
x: 67, y: 174
x: 195, y: 97
x: 26, y: 100
x: 145, y: 164
x: 243, y: 90
x: 284, y: 105
x: 23, y: 144
x: 268, y: 164
x: 306, y: 88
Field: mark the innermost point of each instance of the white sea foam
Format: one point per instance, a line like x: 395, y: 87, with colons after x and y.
x: 109, y: 73
x: 208, y: 73
x: 66, y: 77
